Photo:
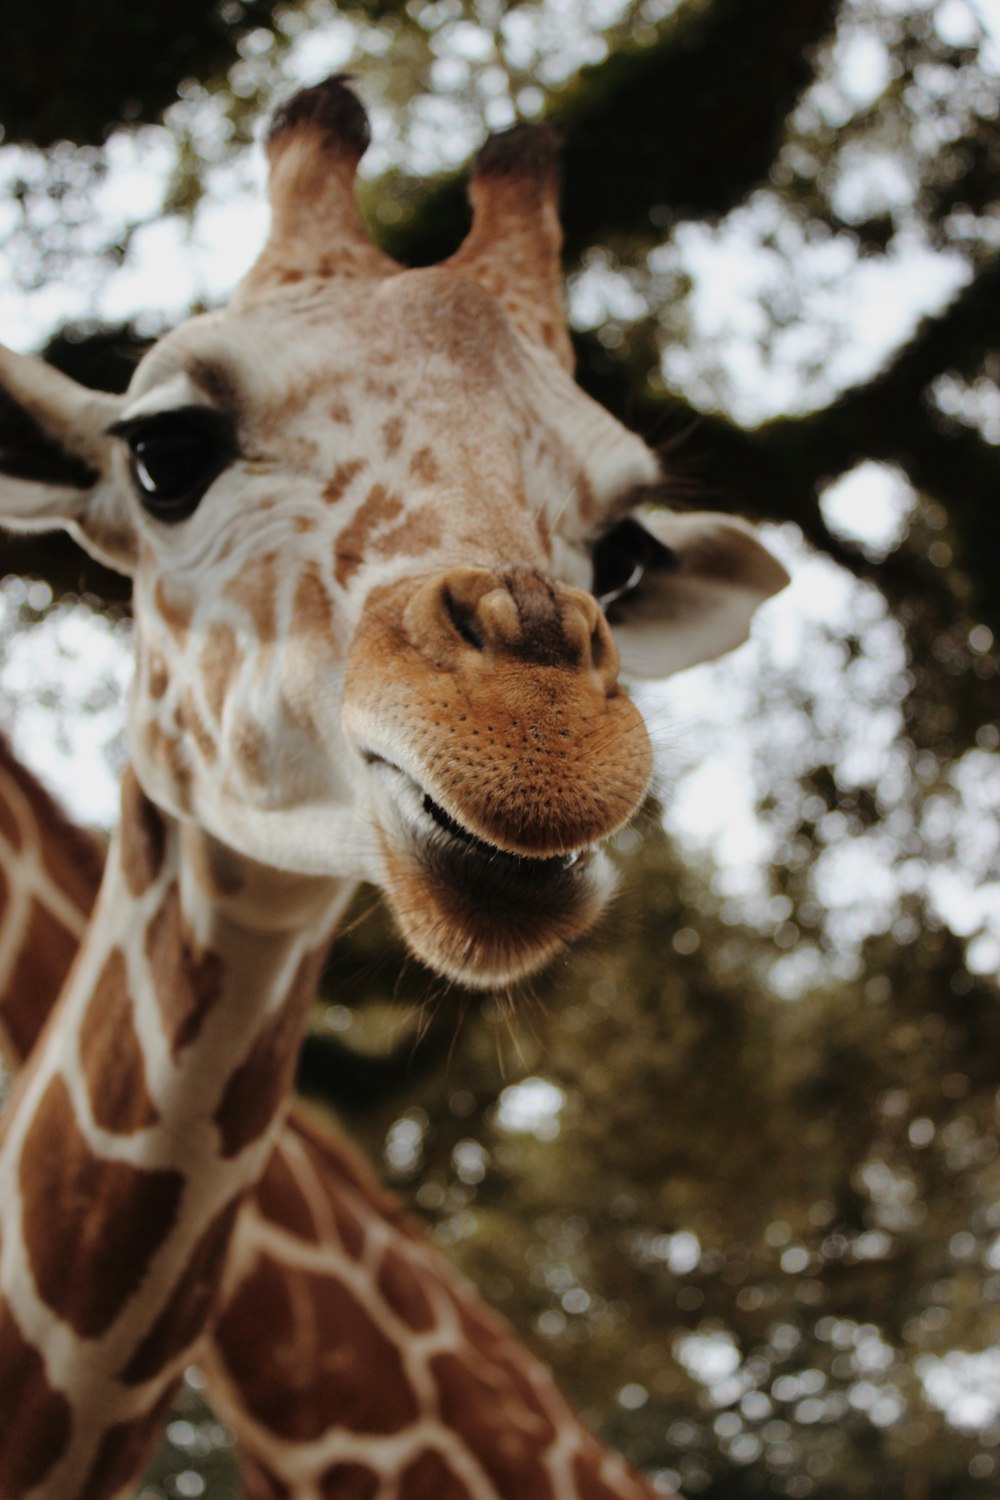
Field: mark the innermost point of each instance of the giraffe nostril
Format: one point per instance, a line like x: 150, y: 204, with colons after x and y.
x: 598, y: 647
x: 463, y: 619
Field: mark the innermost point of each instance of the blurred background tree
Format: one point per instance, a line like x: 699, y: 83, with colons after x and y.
x: 733, y: 1168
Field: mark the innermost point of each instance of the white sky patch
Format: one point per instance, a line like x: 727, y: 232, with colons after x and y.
x: 957, y: 24
x: 870, y: 182
x: 965, y: 1387
x: 848, y: 314
x: 531, y: 1107
x: 712, y: 1358
x: 870, y: 504
x: 62, y: 691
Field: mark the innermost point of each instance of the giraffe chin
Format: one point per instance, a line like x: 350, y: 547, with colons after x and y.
x: 476, y: 914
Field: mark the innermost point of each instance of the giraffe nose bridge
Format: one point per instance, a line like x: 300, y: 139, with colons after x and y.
x: 514, y: 614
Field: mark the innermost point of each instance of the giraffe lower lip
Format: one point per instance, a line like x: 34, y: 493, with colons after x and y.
x: 455, y: 830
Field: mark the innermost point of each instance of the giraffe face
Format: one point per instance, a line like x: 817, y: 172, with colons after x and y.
x: 366, y: 514
x: 364, y: 641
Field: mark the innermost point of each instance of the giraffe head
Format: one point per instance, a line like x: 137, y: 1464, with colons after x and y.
x: 389, y: 560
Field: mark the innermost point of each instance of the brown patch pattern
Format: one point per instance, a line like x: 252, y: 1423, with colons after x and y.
x: 419, y: 532
x: 143, y: 836
x: 36, y: 1417
x: 187, y: 979
x: 424, y: 466
x: 157, y: 675
x: 312, y: 608
x: 91, y: 1227
x: 429, y: 1478
x: 256, y: 1089
x: 392, y: 435
x: 401, y: 1288
x: 10, y: 828
x: 341, y: 480
x: 123, y: 1451
x: 175, y: 609
x: 186, y: 1311
x: 189, y: 720
x: 220, y: 661
x: 248, y: 745
x: 259, y: 1483
x: 280, y: 1199
x: 43, y: 962
x: 379, y: 508
x: 254, y: 590
x: 114, y: 1067
x: 477, y: 1412
x: 308, y: 1358
x: 350, y: 1482
x: 166, y: 751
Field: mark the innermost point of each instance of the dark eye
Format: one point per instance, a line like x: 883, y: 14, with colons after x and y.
x: 622, y: 556
x: 175, y: 456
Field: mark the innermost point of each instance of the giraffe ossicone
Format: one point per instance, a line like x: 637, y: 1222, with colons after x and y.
x: 382, y: 547
x: 361, y: 508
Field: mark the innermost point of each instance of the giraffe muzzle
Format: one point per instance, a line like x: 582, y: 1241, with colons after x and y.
x: 470, y: 910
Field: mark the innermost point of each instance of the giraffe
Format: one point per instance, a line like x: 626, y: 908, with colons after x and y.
x: 349, y: 1354
x: 388, y: 562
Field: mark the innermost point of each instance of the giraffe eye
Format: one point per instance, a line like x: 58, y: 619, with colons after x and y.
x: 174, y: 457
x: 621, y: 558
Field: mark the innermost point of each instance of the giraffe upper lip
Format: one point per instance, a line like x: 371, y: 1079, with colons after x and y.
x: 463, y: 840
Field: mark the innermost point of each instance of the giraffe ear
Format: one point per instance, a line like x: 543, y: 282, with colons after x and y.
x: 55, y: 459
x: 681, y: 589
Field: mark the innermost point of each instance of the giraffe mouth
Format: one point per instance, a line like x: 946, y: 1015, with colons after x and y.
x: 435, y: 821
x: 554, y: 864
x: 475, y: 912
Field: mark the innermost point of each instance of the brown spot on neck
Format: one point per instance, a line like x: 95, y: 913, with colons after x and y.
x: 309, y: 1358
x: 157, y: 675
x: 10, y: 828
x: 281, y: 1200
x: 190, y: 721
x: 351, y: 1482
x: 429, y: 1478
x: 401, y: 1288
x: 143, y: 836
x: 114, y: 1067
x: 91, y: 1227
x: 45, y: 959
x: 123, y: 1451
x: 35, y: 1420
x: 166, y: 752
x: 175, y: 608
x: 257, y: 1088
x: 187, y: 979
x: 186, y: 1310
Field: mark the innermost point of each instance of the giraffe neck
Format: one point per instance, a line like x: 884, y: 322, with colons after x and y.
x: 50, y: 872
x: 324, y: 1361
x: 149, y: 1107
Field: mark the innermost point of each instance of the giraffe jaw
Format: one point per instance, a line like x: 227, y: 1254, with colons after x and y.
x: 473, y: 911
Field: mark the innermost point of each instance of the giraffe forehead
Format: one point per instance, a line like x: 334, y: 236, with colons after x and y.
x: 430, y: 341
